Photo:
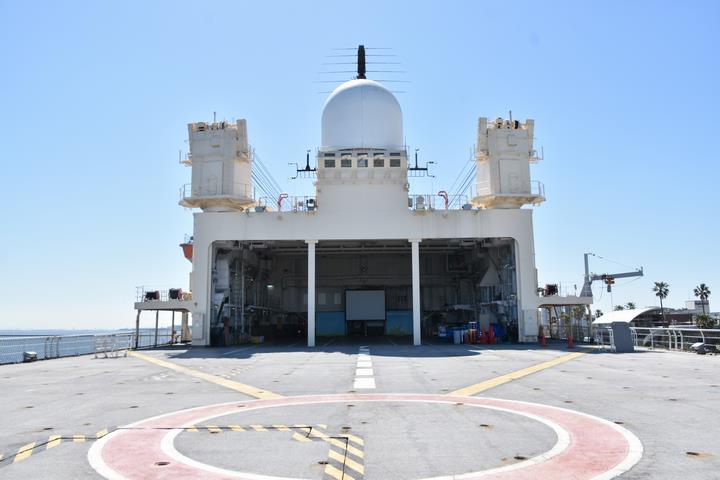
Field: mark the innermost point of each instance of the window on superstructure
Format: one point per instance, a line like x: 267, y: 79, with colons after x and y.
x: 378, y: 162
x: 329, y: 163
x: 345, y: 162
x: 395, y: 162
x: 362, y: 161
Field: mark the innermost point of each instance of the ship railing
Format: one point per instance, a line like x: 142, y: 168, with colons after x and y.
x: 17, y: 349
x: 236, y: 189
x: 147, y: 293
x: 429, y: 201
x: 674, y: 338
x: 481, y: 189
x: 286, y: 203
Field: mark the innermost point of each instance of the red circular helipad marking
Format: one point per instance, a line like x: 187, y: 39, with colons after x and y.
x: 597, y: 449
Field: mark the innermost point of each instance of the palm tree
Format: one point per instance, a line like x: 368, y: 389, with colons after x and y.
x: 702, y: 291
x: 630, y: 306
x: 598, y: 313
x: 619, y: 307
x: 662, y: 290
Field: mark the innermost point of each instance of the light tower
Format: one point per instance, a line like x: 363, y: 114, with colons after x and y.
x: 503, y: 157
x: 221, y: 163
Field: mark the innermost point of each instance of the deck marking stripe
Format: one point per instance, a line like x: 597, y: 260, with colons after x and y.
x: 192, y: 429
x: 300, y: 438
x: 213, y: 429
x: 24, y: 452
x: 223, y: 382
x: 258, y: 428
x: 337, y: 474
x: 78, y: 438
x: 509, y: 377
x: 53, y: 441
x: 237, y: 428
x: 348, y: 462
x: 282, y: 428
x: 101, y: 433
x: 337, y: 443
x: 354, y: 439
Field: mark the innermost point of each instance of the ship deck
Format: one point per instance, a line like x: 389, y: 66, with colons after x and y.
x: 352, y: 409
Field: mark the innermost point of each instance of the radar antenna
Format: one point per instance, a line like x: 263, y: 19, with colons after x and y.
x: 304, y: 172
x: 418, y: 171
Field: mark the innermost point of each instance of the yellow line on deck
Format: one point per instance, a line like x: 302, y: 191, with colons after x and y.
x: 258, y: 428
x: 281, y: 428
x: 24, y: 452
x: 101, y: 433
x: 79, y: 438
x: 300, y: 438
x: 213, y: 429
x: 349, y: 462
x: 223, y: 382
x: 192, y: 429
x: 509, y: 377
x: 354, y: 439
x: 337, y: 474
x: 236, y: 428
x: 53, y: 441
x: 338, y: 443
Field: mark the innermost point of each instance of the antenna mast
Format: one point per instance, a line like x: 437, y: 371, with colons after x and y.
x: 361, y: 62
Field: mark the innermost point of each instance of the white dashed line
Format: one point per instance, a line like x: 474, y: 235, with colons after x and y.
x: 364, y: 375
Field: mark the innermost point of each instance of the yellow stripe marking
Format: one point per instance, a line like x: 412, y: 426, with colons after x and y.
x: 337, y: 443
x: 502, y: 379
x: 24, y: 452
x: 213, y: 429
x: 347, y: 461
x: 322, y: 425
x: 300, y: 438
x: 223, y: 382
x: 258, y: 428
x: 354, y: 439
x: 79, y: 438
x: 281, y: 428
x: 101, y: 433
x: 236, y: 428
x: 53, y: 441
x: 337, y: 474
x: 192, y: 429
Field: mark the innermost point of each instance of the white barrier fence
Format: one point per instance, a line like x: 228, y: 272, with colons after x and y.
x: 667, y: 338
x: 13, y: 349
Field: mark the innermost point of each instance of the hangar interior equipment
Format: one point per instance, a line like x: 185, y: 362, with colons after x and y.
x: 362, y: 287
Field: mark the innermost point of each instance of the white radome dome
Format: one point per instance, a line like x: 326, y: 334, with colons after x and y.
x: 362, y: 114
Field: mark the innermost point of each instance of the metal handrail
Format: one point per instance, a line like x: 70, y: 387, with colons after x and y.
x: 239, y: 190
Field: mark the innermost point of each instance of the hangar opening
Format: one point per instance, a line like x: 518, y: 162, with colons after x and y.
x: 362, y: 288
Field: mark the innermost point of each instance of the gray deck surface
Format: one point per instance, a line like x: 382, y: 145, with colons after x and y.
x: 670, y: 401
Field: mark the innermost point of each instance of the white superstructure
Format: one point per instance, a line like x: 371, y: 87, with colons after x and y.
x: 279, y: 266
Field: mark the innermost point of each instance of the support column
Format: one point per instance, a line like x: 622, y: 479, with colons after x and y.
x: 415, y: 244
x: 172, y: 329
x: 157, y: 318
x: 137, y: 329
x: 311, y: 293
x: 184, y: 330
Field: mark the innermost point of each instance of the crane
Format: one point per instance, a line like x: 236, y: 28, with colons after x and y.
x: 607, y: 278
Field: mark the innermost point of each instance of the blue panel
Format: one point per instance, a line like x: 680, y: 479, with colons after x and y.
x: 399, y: 322
x: 329, y: 323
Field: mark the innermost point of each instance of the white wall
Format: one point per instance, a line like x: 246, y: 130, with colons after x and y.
x: 354, y: 222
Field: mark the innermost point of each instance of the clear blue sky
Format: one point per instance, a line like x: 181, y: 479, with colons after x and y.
x: 95, y: 98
